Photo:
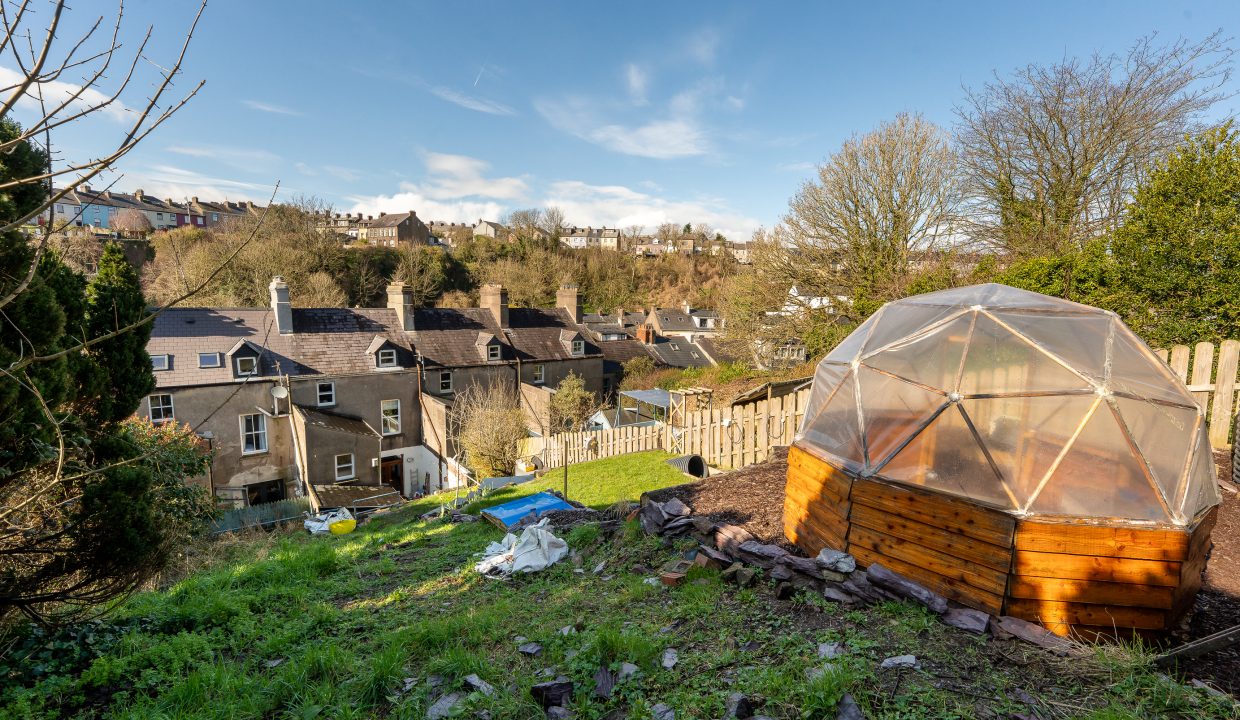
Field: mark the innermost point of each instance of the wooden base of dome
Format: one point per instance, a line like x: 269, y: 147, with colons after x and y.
x: 1071, y: 577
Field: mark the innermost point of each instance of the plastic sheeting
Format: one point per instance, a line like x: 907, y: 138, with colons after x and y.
x: 321, y: 524
x: 1016, y: 400
x: 536, y: 549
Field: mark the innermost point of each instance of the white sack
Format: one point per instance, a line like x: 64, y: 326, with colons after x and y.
x: 321, y: 524
x: 535, y: 550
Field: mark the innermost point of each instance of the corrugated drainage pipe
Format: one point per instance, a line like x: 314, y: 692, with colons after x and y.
x: 689, y: 464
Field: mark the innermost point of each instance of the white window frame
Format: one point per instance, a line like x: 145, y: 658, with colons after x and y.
x: 351, y: 467
x: 331, y: 394
x: 163, y: 360
x: 389, y: 424
x: 493, y: 351
x: 259, y: 433
x: 540, y: 374
x: 237, y: 365
x: 386, y: 358
x: 217, y: 364
x: 445, y: 381
x: 579, y: 347
x: 150, y: 408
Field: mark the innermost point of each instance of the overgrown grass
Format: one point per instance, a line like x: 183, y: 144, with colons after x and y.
x: 292, y: 626
x: 599, y: 483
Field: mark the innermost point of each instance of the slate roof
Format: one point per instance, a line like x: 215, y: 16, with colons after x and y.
x: 336, y: 496
x: 447, y: 337
x: 678, y: 352
x: 618, y: 352
x: 335, y: 421
x: 390, y: 220
x: 716, y: 350
x: 675, y: 320
x: 325, y: 341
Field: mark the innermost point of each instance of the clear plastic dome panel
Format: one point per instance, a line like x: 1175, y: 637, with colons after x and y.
x: 901, y: 322
x: 1024, y: 435
x: 1097, y: 477
x: 1081, y: 343
x: 931, y: 359
x: 1164, y: 436
x: 894, y: 413
x: 999, y: 361
x: 946, y: 457
x: 836, y: 429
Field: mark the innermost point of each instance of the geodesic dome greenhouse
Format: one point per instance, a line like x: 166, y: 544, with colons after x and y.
x: 1023, y: 402
x: 1017, y: 453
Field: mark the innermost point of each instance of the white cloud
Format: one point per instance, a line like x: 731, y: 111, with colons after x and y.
x: 674, y: 137
x: 704, y: 45
x: 457, y: 176
x: 305, y: 169
x: 166, y: 181
x: 620, y: 206
x: 796, y: 167
x: 470, y: 102
x: 343, y: 173
x: 241, y: 158
x: 456, y: 189
x: 270, y: 108
x: 637, y: 81
x: 55, y: 93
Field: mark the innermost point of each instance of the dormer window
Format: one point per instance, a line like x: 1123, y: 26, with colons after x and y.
x: 493, y: 352
x: 247, y: 365
x: 387, y: 358
x: 579, y: 347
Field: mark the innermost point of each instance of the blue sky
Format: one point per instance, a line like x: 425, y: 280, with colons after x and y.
x: 623, y: 113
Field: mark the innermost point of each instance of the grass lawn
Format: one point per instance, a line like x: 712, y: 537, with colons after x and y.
x: 599, y: 483
x: 288, y: 626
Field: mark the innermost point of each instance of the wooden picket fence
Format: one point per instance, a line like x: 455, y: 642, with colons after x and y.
x: 728, y: 437
x: 1211, y: 377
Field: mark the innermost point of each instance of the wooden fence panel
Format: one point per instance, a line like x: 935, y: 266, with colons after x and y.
x: 1203, y: 371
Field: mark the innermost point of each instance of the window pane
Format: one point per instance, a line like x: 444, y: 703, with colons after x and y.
x: 390, y: 417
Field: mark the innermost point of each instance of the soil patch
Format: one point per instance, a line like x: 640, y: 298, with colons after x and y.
x: 752, y: 497
x: 1218, y: 603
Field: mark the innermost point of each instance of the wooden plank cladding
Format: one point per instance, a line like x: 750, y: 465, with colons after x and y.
x: 1067, y: 575
x: 964, y: 554
x: 816, y: 503
x: 1072, y: 577
x: 951, y: 514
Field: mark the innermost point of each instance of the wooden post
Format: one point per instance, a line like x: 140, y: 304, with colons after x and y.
x: 1203, y: 369
x: 1223, y: 408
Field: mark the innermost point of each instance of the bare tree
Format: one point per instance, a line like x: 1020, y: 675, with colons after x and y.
x: 132, y: 223
x: 881, y: 199
x: 45, y: 67
x: 553, y: 222
x: 1052, y: 153
x: 489, y: 428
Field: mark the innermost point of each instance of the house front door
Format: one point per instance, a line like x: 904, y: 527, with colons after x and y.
x: 393, y: 473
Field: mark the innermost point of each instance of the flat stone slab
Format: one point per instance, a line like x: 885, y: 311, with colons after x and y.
x: 967, y: 619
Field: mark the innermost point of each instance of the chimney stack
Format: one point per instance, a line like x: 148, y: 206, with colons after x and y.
x: 280, y: 305
x: 645, y: 334
x: 138, y: 194
x: 495, y: 298
x: 568, y: 298
x: 400, y: 299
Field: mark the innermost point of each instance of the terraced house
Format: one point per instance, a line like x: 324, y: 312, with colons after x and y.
x: 348, y: 404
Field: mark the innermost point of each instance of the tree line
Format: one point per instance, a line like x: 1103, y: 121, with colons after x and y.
x: 1096, y: 180
x: 322, y: 272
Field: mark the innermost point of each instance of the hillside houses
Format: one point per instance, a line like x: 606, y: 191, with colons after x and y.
x: 590, y: 238
x: 294, y: 400
x: 85, y: 207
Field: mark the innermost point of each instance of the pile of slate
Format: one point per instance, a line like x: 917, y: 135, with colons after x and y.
x: 832, y: 574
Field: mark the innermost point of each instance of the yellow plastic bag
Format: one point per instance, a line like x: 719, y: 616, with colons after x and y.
x: 342, y: 527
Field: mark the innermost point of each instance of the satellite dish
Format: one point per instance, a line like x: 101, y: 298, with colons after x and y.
x: 279, y: 392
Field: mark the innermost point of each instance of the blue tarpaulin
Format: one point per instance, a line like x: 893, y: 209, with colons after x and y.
x: 510, y: 513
